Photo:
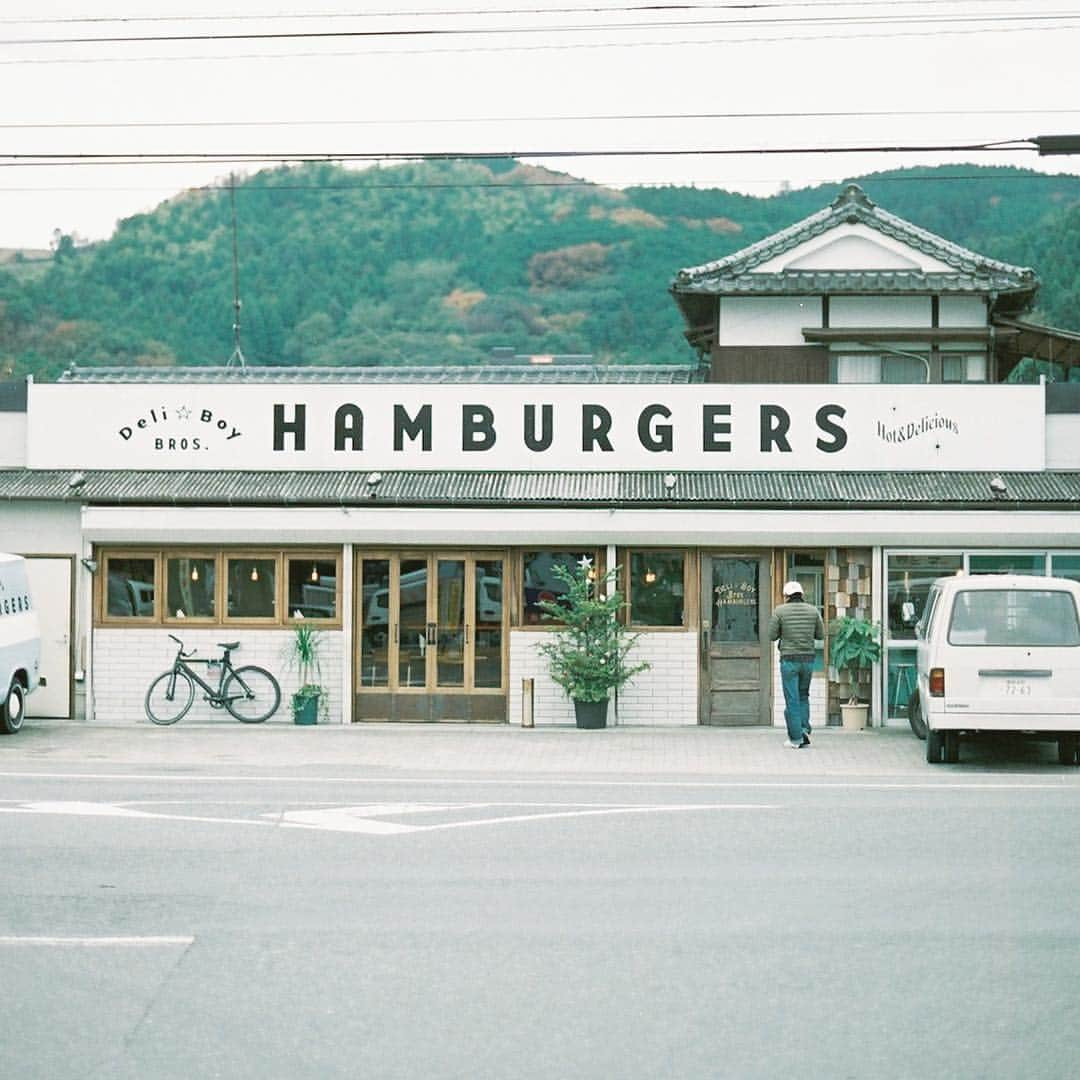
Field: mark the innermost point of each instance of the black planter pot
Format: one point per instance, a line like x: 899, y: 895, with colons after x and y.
x: 591, y: 714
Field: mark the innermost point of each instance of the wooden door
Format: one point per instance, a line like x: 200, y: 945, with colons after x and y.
x: 735, y: 655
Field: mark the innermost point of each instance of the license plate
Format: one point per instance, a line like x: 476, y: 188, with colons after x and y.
x: 1017, y: 688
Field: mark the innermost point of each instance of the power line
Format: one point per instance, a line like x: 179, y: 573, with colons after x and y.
x: 434, y: 31
x: 583, y: 118
x: 181, y: 158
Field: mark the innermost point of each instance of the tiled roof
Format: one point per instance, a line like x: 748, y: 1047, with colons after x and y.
x: 721, y: 490
x: 479, y: 373
x: 971, y: 271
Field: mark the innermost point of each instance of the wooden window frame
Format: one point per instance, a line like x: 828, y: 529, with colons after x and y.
x: 102, y: 607
x: 517, y: 610
x: 289, y: 556
x: 626, y: 587
x: 167, y: 616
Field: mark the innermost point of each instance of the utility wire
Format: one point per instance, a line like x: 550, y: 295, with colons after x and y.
x: 583, y: 118
x: 148, y: 158
x: 456, y: 31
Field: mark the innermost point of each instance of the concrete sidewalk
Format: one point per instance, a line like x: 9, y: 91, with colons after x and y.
x: 511, y: 752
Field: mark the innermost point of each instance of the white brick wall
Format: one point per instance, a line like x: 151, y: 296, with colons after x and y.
x: 125, y: 661
x: 665, y: 695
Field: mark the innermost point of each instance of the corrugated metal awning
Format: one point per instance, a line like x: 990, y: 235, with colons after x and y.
x: 659, y: 489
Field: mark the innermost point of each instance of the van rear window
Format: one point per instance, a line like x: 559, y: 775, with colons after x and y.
x: 1014, y: 617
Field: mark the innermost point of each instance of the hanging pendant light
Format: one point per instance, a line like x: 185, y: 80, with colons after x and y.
x: 254, y: 573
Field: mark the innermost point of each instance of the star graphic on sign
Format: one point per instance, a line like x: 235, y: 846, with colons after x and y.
x: 184, y: 413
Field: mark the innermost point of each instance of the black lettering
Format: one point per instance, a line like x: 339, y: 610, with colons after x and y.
x: 774, y: 428
x: 406, y: 427
x: 659, y: 438
x: 825, y: 417
x: 715, y: 421
x: 595, y: 427
x: 296, y: 427
x: 349, y: 428
x: 125, y: 433
x: 477, y: 427
x: 543, y: 440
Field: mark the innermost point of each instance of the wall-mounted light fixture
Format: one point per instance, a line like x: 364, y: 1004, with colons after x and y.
x: 89, y: 565
x: 670, y: 480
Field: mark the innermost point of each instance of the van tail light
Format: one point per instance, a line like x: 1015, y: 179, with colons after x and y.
x: 937, y: 682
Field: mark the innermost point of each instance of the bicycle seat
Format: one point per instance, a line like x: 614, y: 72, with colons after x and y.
x: 230, y: 645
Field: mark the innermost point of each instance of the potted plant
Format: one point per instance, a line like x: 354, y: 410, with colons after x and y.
x: 304, y: 656
x: 854, y: 647
x: 588, y: 650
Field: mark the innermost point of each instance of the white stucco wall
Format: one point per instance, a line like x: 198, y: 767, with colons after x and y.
x: 766, y: 320
x: 664, y: 696
x: 852, y: 247
x: 962, y: 311
x: 126, y: 660
x: 12, y: 440
x: 881, y: 311
x: 1063, y: 441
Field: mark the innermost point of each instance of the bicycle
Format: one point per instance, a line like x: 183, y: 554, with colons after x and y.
x: 249, y: 693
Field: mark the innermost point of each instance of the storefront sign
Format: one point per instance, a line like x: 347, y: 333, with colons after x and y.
x: 574, y: 427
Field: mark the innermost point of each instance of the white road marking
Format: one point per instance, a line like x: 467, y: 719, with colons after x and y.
x: 369, y: 818
x: 155, y: 941
x: 1024, y: 781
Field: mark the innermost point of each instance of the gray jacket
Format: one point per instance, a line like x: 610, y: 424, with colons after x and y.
x: 796, y: 625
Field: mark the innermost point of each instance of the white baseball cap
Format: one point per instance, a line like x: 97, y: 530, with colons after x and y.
x: 791, y: 588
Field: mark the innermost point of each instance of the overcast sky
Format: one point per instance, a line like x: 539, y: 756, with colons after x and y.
x: 563, y: 75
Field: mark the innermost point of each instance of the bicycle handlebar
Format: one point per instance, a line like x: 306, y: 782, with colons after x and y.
x: 181, y: 644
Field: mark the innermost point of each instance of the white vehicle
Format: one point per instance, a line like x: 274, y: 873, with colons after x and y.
x: 999, y: 652
x: 20, y: 643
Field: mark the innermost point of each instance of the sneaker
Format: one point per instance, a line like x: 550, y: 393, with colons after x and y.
x: 793, y: 745
x: 805, y: 741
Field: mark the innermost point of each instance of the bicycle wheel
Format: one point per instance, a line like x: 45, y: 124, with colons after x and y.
x: 251, y: 694
x: 169, y: 697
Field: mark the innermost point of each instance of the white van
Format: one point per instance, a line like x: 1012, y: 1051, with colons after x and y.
x: 999, y: 652
x: 20, y: 643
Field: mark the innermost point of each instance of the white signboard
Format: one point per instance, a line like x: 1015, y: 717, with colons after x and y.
x: 538, y: 427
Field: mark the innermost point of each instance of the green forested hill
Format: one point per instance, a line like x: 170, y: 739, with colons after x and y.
x: 437, y: 262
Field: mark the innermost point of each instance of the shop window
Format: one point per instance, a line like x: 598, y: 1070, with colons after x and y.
x: 1008, y: 562
x: 540, y: 582
x: 130, y: 586
x: 909, y: 581
x: 311, y: 583
x: 656, y: 588
x: 252, y: 587
x: 1065, y: 566
x: 190, y: 587
x: 896, y: 369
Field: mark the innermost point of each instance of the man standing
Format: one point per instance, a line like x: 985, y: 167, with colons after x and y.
x: 795, y: 624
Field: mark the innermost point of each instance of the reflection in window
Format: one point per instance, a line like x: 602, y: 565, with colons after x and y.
x: 190, y: 587
x: 910, y: 578
x: 1014, y: 617
x: 735, y: 596
x: 252, y: 588
x: 375, y: 631
x: 487, y: 659
x: 656, y: 588
x: 130, y: 587
x: 540, y: 581
x: 1008, y: 562
x: 312, y: 584
x: 1065, y: 566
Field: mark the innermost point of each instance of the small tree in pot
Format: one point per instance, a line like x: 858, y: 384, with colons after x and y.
x: 854, y: 647
x: 589, y: 648
x: 304, y: 650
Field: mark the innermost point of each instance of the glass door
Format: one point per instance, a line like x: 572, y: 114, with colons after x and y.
x: 431, y: 634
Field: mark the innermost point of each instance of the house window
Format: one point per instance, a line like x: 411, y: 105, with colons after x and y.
x: 540, y: 582
x: 888, y: 368
x: 963, y: 367
x: 656, y: 588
